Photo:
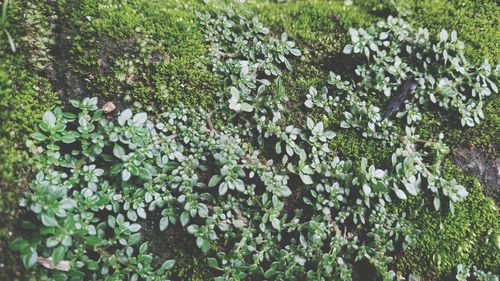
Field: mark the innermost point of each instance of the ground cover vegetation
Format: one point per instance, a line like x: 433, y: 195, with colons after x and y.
x: 222, y: 142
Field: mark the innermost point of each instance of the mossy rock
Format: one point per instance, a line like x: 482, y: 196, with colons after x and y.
x: 136, y: 51
x: 470, y: 235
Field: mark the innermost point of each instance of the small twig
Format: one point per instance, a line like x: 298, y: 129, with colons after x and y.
x: 209, y: 121
x: 232, y: 55
x: 104, y: 253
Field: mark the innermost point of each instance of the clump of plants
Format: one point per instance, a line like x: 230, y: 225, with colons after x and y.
x: 445, y: 78
x: 395, y: 53
x: 261, y: 200
x: 464, y: 273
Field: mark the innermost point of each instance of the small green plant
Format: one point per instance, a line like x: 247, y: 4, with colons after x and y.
x: 464, y: 273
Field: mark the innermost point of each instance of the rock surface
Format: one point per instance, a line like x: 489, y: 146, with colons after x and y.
x: 475, y: 162
x: 396, y: 102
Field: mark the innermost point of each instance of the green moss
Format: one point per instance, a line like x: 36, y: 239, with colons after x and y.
x: 351, y: 145
x: 24, y: 96
x: 307, y: 19
x: 154, y: 54
x: 475, y: 21
x: 477, y: 24
x: 23, y: 99
x: 470, y: 236
x: 319, y: 28
x: 485, y: 134
x: 194, y: 269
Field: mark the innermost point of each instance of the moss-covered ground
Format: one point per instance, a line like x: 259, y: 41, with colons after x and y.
x: 151, y: 54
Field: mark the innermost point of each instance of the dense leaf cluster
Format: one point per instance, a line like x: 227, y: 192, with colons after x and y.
x: 396, y: 51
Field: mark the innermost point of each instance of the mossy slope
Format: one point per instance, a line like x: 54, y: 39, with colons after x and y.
x: 153, y: 52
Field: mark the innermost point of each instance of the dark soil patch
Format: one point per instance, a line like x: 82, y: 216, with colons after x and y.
x: 63, y: 80
x: 173, y: 243
x: 474, y: 161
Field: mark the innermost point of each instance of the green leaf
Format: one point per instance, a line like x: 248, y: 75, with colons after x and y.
x: 30, y: 259
x: 144, y: 174
x: 222, y: 188
x: 309, y: 123
x: 410, y: 187
x: 163, y: 223
x: 18, y: 244
x: 118, y: 151
x: 308, y: 104
x: 246, y: 107
x: 240, y: 185
x: 295, y: 52
x: 49, y: 220
x: 143, y: 248
x: 117, y: 168
x: 38, y: 136
x: 184, y: 218
x: 52, y: 242
x: 212, y: 262
x: 140, y: 118
x: 306, y: 179
x: 214, y: 180
x: 269, y: 273
x: 330, y: 134
x: 141, y: 212
x: 203, y: 211
x: 67, y: 203
x: 285, y: 191
x: 11, y: 41
x: 68, y: 138
x: 344, y: 125
x: 134, y: 227
x: 92, y: 265
x: 58, y: 255
x: 92, y: 241
x: 125, y: 175
x: 132, y: 215
x: 111, y: 221
x: 124, y: 116
x: 134, y: 239
x: 364, y: 163
x: 168, y: 264
x: 49, y: 118
x: 367, y: 190
x: 276, y: 223
x: 205, y: 246
x: 400, y: 194
x: 443, y: 35
x: 437, y: 203
x: 192, y: 229
x: 347, y: 49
